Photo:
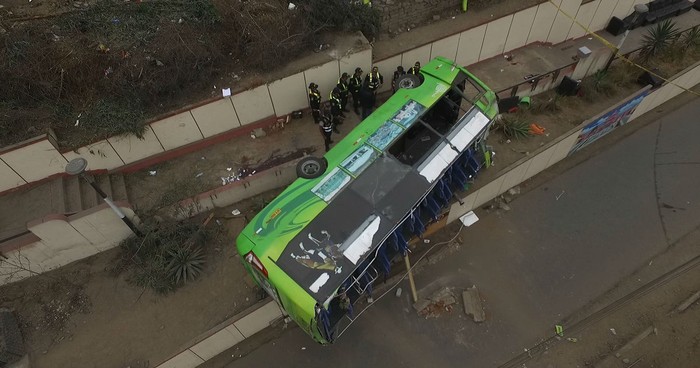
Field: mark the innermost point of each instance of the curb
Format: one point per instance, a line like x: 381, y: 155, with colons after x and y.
x: 226, y: 335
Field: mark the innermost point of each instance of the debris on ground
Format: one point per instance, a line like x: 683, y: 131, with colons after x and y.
x: 440, y: 302
x: 472, y: 304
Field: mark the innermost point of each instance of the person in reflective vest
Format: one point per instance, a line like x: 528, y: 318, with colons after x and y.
x: 397, y: 74
x: 336, y: 109
x: 374, y: 80
x: 325, y: 126
x: 415, y: 70
x: 343, y: 87
x: 315, y: 102
x: 355, y: 84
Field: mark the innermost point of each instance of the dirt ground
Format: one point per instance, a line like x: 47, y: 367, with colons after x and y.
x: 82, y: 315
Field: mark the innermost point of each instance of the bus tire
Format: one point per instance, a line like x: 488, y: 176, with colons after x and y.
x: 408, y: 81
x: 311, y: 167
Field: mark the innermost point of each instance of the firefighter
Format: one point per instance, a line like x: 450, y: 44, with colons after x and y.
x: 343, y: 87
x: 355, y: 84
x: 374, y: 80
x: 397, y: 74
x: 315, y: 102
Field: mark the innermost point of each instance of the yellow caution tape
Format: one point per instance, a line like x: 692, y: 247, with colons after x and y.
x: 615, y: 50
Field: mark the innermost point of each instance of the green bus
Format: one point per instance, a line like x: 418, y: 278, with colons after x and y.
x: 318, y: 247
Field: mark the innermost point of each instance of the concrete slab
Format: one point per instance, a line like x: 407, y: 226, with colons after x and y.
x: 100, y: 155
x: 259, y: 319
x: 539, y: 163
x: 446, y: 47
x: 420, y: 54
x: 472, y: 304
x: 584, y: 16
x: 217, y: 343
x: 8, y: 178
x: 546, y: 13
x: 603, y: 14
x: 520, y: 28
x: 495, y: 37
x: 470, y: 43
x: 289, y: 94
x: 131, y: 149
x: 563, y: 148
x: 326, y: 76
x: 186, y: 359
x: 216, y: 117
x: 457, y: 210
x: 253, y: 105
x: 562, y: 23
x: 35, y: 161
x: 177, y: 130
x: 386, y: 68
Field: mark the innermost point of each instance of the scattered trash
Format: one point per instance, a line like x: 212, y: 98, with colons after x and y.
x: 612, y: 331
x: 229, y: 168
x: 152, y: 173
x: 180, y: 21
x: 571, y: 339
x: 398, y: 292
x: 109, y: 71
x: 198, y: 175
x: 291, y: 6
x: 560, y: 194
x: 159, y: 63
x: 536, y: 129
x: 242, y: 173
x: 252, y: 135
x: 116, y: 20
x: 77, y: 121
x: 236, y: 212
x: 303, y: 348
x: 102, y: 48
x: 203, y: 158
x: 218, y: 222
x: 226, y: 92
x: 469, y: 219
x: 559, y: 330
x: 426, y: 241
x: 507, y: 141
x: 514, y: 191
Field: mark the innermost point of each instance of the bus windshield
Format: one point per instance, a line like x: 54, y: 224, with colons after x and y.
x: 320, y: 245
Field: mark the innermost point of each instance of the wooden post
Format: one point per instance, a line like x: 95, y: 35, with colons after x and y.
x: 414, y: 293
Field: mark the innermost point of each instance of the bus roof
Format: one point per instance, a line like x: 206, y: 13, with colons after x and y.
x: 342, y: 216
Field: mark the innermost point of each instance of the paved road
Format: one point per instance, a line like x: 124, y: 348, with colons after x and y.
x: 535, y: 264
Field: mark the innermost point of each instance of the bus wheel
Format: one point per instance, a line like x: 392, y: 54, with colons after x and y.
x: 311, y: 167
x: 408, y: 81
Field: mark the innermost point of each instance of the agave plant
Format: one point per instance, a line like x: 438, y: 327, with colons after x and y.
x: 659, y: 39
x: 691, y: 38
x: 512, y: 127
x: 185, y: 263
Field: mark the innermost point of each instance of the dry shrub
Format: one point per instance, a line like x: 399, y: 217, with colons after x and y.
x: 111, y: 66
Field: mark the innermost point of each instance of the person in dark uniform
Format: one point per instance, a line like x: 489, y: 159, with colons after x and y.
x: 355, y: 84
x: 415, y: 70
x: 336, y: 111
x: 343, y: 87
x: 367, y: 100
x: 326, y: 128
x: 315, y: 102
x: 374, y: 80
x: 397, y: 74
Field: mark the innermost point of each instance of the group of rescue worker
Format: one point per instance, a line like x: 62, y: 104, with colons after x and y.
x: 364, y: 97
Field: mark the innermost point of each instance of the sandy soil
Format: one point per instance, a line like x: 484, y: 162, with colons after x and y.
x: 82, y: 315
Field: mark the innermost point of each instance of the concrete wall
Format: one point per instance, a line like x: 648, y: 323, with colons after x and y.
x: 540, y: 23
x: 57, y: 240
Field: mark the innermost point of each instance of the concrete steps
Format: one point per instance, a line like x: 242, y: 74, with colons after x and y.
x: 78, y: 195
